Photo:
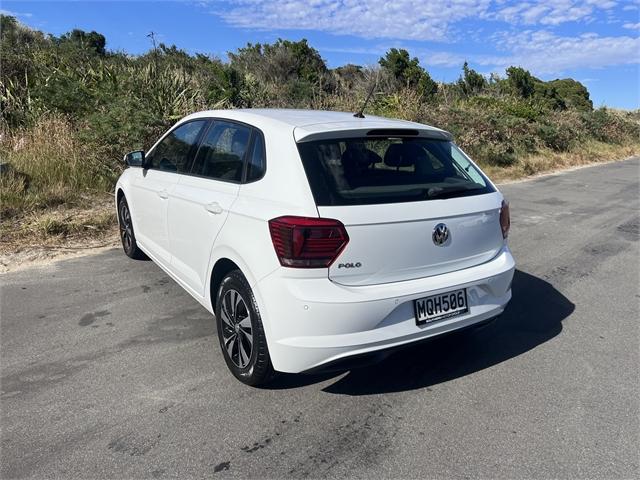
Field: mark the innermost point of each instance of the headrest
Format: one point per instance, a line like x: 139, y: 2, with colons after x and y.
x: 362, y: 158
x: 403, y: 155
x: 239, y: 141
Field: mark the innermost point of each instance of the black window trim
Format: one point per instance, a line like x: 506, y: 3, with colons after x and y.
x: 253, y: 132
x: 256, y: 136
x: 195, y: 147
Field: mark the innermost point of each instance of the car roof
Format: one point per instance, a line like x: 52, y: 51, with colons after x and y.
x: 308, y: 124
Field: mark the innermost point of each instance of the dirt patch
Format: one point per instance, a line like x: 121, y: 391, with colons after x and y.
x: 42, y: 236
x: 43, y: 255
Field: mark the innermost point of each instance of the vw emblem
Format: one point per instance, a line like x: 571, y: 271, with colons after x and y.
x: 440, y: 234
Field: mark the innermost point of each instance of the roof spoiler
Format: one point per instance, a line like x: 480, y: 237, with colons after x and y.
x: 303, y: 136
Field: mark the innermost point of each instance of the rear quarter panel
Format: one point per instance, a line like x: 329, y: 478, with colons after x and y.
x: 284, y: 190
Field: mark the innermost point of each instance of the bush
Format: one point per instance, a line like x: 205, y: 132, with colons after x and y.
x: 556, y: 137
x: 611, y: 127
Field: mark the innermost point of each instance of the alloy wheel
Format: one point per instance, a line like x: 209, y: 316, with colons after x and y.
x: 237, y: 331
x: 126, y: 229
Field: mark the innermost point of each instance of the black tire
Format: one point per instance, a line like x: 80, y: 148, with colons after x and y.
x: 240, y: 331
x: 127, y: 235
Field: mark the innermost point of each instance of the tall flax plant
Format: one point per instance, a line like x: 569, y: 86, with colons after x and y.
x: 171, y: 92
x: 15, y: 100
x: 139, y: 100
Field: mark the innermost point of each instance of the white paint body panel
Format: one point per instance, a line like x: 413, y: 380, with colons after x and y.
x: 392, y: 242
x: 315, y: 316
x: 150, y: 191
x: 198, y: 209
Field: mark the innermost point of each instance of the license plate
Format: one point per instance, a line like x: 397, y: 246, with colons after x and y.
x: 441, y: 306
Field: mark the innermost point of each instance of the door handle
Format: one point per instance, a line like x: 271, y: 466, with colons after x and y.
x: 213, y: 207
x: 163, y: 194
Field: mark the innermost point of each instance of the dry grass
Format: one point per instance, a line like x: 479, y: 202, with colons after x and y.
x: 60, y: 227
x: 48, y: 167
x: 53, y: 193
x: 551, y: 161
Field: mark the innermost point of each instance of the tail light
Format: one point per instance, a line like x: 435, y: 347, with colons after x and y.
x: 303, y: 242
x: 505, y: 219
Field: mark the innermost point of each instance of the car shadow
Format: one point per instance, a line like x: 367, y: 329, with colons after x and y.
x: 534, y: 316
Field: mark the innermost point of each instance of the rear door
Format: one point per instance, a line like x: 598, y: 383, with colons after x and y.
x: 412, y: 207
x: 201, y: 200
x: 151, y: 189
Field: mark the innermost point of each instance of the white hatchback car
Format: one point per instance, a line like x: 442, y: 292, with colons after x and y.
x: 315, y: 236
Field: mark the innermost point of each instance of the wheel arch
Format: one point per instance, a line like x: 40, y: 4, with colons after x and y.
x: 220, y: 269
x: 224, y: 257
x: 119, y: 196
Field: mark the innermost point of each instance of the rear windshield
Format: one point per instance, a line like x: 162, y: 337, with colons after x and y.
x: 363, y: 171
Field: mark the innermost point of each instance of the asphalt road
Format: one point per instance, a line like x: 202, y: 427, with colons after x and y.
x: 110, y: 370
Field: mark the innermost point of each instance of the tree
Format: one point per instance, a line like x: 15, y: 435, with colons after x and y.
x: 520, y: 81
x: 408, y: 71
x: 471, y: 82
x: 573, y: 93
x: 547, y: 96
x: 91, y: 41
x: 281, y: 61
x: 348, y: 75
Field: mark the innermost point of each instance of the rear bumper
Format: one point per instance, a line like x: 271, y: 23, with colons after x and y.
x: 314, y: 321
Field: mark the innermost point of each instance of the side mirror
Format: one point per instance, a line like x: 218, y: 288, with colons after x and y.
x: 134, y: 159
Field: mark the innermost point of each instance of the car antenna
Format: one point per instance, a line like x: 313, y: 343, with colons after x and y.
x: 360, y: 113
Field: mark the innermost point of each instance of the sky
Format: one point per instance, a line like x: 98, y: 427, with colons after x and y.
x: 594, y: 41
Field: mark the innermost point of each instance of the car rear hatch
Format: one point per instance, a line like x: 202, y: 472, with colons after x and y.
x: 412, y: 203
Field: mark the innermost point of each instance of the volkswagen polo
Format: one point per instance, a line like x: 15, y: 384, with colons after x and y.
x: 316, y: 236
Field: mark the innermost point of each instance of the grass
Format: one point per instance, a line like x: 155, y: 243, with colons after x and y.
x: 65, y: 226
x: 49, y: 167
x: 546, y: 161
x: 53, y: 189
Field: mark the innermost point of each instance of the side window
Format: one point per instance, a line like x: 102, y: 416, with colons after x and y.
x: 221, y: 154
x: 462, y: 162
x: 174, y: 152
x: 256, y: 162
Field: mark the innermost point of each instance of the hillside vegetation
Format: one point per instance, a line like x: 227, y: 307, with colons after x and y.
x: 71, y: 109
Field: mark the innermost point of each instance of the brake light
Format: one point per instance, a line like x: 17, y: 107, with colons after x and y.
x: 505, y: 219
x: 303, y: 242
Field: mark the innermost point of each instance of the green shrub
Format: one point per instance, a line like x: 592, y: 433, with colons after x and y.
x: 556, y: 137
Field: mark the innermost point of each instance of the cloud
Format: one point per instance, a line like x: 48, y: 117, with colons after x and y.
x: 400, y: 19
x: 532, y: 41
x: 551, y: 12
x: 443, y: 59
x: 632, y: 26
x: 15, y: 14
x: 543, y: 52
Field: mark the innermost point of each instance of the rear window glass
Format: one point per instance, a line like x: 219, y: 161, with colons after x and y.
x: 361, y: 171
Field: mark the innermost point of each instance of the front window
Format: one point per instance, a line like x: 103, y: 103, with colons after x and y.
x: 175, y: 151
x: 362, y: 171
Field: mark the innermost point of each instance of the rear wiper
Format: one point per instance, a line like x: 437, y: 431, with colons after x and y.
x: 439, y: 192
